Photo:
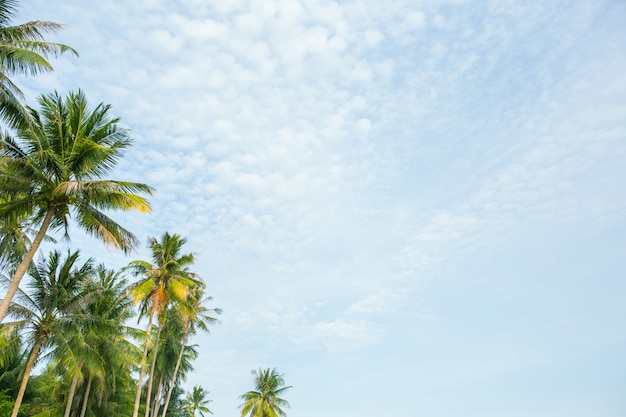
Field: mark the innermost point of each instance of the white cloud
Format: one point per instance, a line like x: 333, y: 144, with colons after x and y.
x: 342, y: 335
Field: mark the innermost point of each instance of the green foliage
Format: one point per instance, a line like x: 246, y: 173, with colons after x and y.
x: 264, y: 401
x: 55, y: 165
x: 6, y: 404
x: 52, y: 171
x: 178, y: 404
x: 197, y: 402
x: 24, y: 51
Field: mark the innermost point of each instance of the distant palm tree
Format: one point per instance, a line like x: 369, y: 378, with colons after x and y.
x: 46, y: 313
x: 23, y: 51
x: 196, y: 401
x: 165, y: 281
x: 264, y: 401
x: 52, y: 171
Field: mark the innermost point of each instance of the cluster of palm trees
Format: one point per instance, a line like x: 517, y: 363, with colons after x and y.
x: 73, y: 318
x: 68, y: 326
x: 70, y: 321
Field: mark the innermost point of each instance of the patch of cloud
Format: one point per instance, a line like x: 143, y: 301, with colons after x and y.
x: 342, y: 335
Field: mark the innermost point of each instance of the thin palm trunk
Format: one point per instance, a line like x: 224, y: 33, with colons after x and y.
x: 29, y: 367
x: 86, y: 397
x: 157, y: 398
x: 142, y: 366
x: 152, y: 367
x: 70, y: 396
x: 175, y: 375
x: 23, y: 267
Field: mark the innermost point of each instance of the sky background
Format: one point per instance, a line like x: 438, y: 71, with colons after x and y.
x: 409, y: 208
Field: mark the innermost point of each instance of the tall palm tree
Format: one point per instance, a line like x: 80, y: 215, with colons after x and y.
x: 264, y: 401
x: 174, y: 361
x: 197, y: 401
x: 191, y: 316
x: 51, y: 171
x: 23, y: 51
x: 47, y: 312
x: 165, y: 280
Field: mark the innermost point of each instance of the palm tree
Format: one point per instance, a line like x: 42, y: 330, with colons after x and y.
x: 164, y: 281
x: 196, y: 401
x: 52, y: 171
x: 192, y: 316
x: 265, y: 400
x: 47, y: 312
x: 174, y: 361
x: 23, y: 51
x: 108, y: 353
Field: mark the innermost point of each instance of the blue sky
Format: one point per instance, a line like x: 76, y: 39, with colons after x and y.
x: 410, y: 208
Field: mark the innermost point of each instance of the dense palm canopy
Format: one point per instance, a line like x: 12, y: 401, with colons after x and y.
x: 106, y: 340
x: 52, y: 171
x: 264, y: 401
x: 23, y: 51
x: 50, y: 311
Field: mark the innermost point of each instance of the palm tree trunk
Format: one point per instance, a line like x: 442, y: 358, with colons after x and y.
x: 87, y: 389
x: 178, y: 362
x: 142, y: 366
x: 157, y: 398
x: 152, y: 366
x: 70, y: 396
x: 29, y: 367
x: 23, y: 267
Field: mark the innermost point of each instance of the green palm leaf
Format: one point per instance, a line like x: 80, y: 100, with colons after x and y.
x: 52, y: 172
x: 264, y: 401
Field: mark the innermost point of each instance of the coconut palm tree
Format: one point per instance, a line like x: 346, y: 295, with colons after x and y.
x: 164, y: 281
x: 108, y: 354
x: 264, y: 401
x: 23, y: 51
x: 196, y: 401
x: 169, y: 370
x: 191, y: 316
x: 46, y: 313
x: 51, y: 172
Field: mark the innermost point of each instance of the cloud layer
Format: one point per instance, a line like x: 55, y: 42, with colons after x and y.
x: 343, y: 169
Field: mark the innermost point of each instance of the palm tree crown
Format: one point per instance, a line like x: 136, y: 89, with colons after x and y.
x: 52, y: 171
x: 197, y: 401
x: 24, y: 51
x: 167, y: 278
x: 264, y: 401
